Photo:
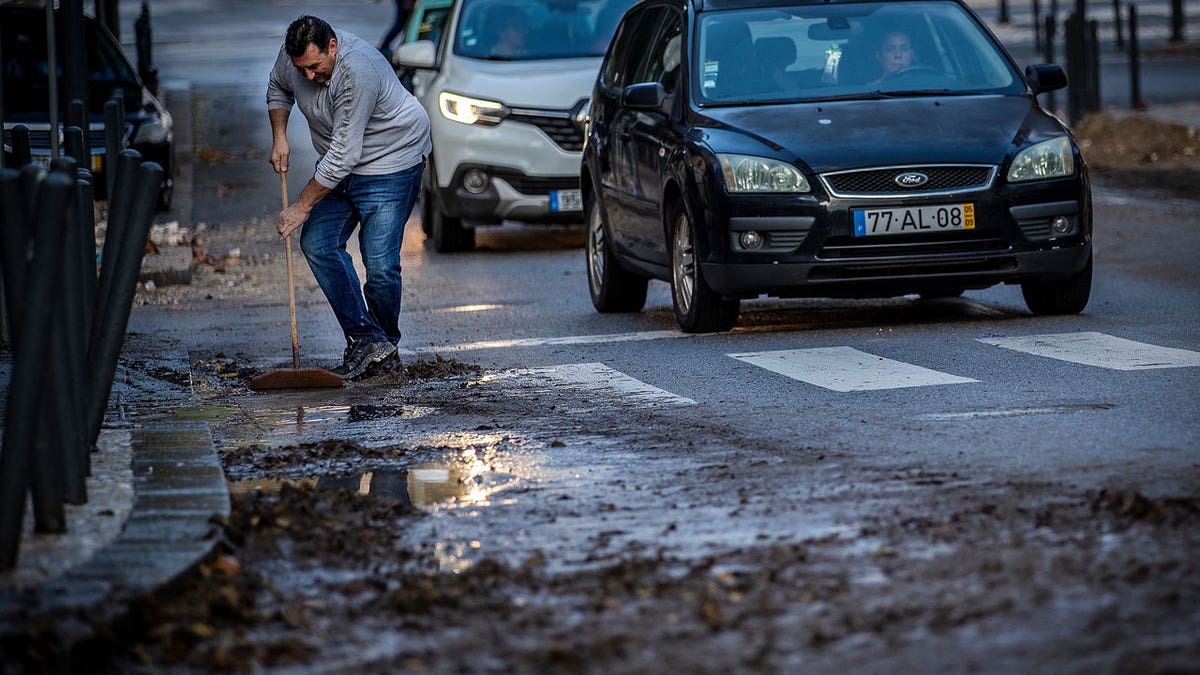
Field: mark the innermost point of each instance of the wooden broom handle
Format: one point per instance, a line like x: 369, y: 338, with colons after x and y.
x: 287, y: 243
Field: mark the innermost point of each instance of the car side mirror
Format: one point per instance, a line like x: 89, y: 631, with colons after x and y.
x: 419, y: 54
x: 1045, y: 77
x: 644, y: 96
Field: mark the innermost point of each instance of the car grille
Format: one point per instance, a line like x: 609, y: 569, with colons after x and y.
x: 39, y: 136
x: 914, y: 269
x: 558, y: 125
x: 537, y: 185
x: 862, y: 248
x: 881, y: 182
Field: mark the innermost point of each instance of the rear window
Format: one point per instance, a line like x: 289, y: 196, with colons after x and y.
x: 25, y: 69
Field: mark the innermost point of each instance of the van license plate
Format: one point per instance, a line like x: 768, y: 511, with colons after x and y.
x: 915, y: 219
x: 566, y: 200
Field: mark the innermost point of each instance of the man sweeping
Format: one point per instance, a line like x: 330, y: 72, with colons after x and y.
x: 373, y: 138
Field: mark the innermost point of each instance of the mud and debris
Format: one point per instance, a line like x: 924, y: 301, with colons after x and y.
x: 325, y: 579
x: 1136, y: 150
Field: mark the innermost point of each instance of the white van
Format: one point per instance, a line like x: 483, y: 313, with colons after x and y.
x: 506, y: 85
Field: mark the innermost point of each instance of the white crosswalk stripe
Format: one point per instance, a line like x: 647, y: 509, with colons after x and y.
x: 847, y: 369
x: 598, y: 378
x: 1099, y: 349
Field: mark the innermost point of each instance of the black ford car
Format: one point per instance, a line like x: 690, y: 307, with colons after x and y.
x: 148, y: 126
x: 831, y: 148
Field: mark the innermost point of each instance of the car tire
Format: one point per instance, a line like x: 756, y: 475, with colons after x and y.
x: 447, y: 232
x: 1066, y: 296
x: 698, y: 309
x: 613, y: 288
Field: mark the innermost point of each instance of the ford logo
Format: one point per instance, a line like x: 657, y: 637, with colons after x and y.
x: 911, y: 179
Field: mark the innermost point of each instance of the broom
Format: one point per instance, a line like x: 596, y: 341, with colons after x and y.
x: 296, y: 377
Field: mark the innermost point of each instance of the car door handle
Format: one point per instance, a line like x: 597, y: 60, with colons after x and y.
x: 624, y: 135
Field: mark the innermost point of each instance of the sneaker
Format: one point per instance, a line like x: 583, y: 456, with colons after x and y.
x: 391, y: 364
x: 345, y: 365
x: 363, y: 355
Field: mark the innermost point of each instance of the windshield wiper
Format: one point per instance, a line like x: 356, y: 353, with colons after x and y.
x: 859, y: 96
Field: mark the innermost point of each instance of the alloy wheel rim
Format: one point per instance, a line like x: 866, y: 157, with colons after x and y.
x: 684, y: 265
x: 595, y: 245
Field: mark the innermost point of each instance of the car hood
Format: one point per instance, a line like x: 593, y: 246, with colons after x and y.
x: 556, y: 84
x: 849, y: 134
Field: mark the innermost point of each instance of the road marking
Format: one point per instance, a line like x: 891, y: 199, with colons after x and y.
x: 597, y: 377
x: 1015, y: 412
x: 847, y: 369
x: 569, y: 340
x: 1099, y: 349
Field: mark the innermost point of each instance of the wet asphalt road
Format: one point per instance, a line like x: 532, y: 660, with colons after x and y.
x: 1019, y: 412
x: 585, y: 437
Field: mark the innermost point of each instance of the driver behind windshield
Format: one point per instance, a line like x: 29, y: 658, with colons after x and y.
x: 895, y: 54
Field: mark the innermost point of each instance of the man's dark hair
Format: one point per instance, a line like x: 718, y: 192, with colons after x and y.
x: 305, y: 31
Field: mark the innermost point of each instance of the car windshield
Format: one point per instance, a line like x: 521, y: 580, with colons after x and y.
x: 26, y: 86
x: 526, y: 30
x: 853, y: 51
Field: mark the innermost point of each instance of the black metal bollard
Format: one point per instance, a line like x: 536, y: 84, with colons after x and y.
x: 75, y: 147
x: 1036, y: 23
x: 114, y: 126
x: 86, y: 259
x: 124, y: 173
x: 76, y: 116
x: 145, y: 59
x: 1051, y: 28
x: 1117, y: 25
x: 22, y: 154
x: 1004, y: 17
x: 1093, y: 54
x: 26, y: 464
x: 1176, y: 21
x: 113, y: 308
x: 1076, y: 70
x: 1135, y: 62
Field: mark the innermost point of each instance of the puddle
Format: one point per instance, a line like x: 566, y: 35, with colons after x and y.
x: 421, y: 485
x: 300, y: 416
x: 213, y: 414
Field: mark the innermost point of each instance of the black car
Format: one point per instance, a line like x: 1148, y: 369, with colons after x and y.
x: 826, y: 148
x: 148, y: 126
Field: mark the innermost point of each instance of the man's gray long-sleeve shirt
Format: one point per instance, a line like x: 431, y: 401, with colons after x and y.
x: 362, y: 121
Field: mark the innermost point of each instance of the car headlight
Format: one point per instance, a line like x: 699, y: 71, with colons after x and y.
x: 745, y: 173
x: 1049, y: 159
x: 470, y: 110
x: 153, y: 130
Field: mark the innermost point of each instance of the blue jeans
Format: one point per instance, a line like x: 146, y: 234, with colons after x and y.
x: 381, y: 205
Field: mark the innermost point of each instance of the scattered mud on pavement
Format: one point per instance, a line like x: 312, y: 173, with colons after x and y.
x: 336, y: 559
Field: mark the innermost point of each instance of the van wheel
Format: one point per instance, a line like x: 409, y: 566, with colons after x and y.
x: 447, y: 232
x: 613, y: 289
x: 1067, y: 296
x: 698, y: 309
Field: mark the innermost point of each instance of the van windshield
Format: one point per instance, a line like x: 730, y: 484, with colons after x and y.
x: 527, y: 30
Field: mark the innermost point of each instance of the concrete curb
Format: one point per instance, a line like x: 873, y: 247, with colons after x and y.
x: 179, y: 487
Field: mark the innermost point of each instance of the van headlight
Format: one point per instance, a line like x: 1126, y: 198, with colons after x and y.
x: 1054, y: 158
x: 745, y: 173
x: 469, y: 110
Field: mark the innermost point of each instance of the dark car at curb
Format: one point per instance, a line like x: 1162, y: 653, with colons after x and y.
x: 738, y: 148
x: 148, y: 127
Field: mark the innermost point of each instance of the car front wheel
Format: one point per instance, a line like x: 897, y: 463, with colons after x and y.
x: 613, y: 289
x: 1067, y: 296
x: 447, y: 232
x: 698, y: 309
